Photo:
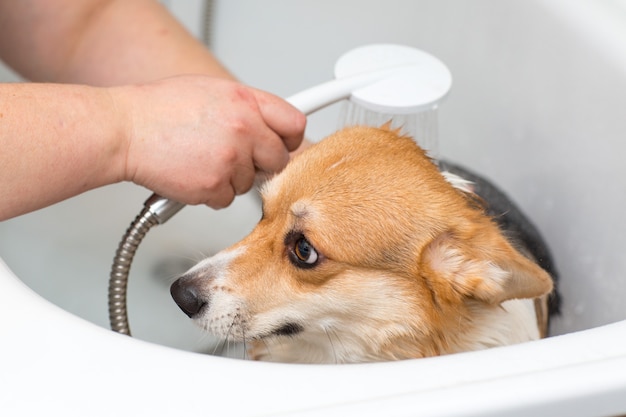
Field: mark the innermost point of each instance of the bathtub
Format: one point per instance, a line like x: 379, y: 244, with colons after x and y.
x: 538, y: 105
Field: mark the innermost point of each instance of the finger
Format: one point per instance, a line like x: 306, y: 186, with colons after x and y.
x: 269, y: 153
x: 242, y: 179
x: 222, y: 198
x: 280, y: 116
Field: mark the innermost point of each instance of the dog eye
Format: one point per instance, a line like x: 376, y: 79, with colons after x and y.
x: 306, y: 254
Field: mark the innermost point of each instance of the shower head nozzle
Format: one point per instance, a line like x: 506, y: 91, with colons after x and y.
x: 384, y: 78
x: 415, y: 80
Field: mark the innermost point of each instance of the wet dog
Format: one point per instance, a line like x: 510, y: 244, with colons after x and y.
x: 367, y: 252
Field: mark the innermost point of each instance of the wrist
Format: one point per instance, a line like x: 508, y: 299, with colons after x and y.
x: 122, y: 132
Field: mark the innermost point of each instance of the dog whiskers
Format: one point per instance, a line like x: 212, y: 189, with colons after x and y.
x: 228, y: 341
x: 245, y: 347
x: 219, y: 346
x: 330, y: 340
x: 267, y: 348
x: 224, y: 344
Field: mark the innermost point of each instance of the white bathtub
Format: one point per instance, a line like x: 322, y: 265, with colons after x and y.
x: 538, y: 105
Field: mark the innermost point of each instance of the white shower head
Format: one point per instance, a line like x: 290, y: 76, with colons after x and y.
x: 417, y: 81
x: 384, y: 78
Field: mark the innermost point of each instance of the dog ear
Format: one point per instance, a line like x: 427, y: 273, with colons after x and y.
x: 484, y: 267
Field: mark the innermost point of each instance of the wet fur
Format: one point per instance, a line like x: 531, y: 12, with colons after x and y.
x: 408, y: 265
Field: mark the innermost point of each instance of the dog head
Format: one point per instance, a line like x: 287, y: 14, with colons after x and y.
x: 364, y: 252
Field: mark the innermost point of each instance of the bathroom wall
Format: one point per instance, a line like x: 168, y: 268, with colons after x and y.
x: 8, y: 75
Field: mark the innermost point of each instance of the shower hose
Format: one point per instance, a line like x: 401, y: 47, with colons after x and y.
x: 157, y: 210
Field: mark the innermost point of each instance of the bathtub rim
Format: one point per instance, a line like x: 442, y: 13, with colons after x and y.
x: 59, y: 358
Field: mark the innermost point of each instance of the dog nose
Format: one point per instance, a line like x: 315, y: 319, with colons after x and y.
x: 187, y: 296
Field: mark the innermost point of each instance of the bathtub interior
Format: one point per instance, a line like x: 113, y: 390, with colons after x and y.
x: 537, y: 105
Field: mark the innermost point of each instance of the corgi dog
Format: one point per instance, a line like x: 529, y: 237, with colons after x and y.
x: 366, y: 252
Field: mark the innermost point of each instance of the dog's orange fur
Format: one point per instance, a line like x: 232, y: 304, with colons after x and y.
x: 408, y: 266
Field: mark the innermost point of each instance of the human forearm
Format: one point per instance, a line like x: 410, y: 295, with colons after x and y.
x: 57, y: 141
x: 194, y: 139
x: 99, y: 42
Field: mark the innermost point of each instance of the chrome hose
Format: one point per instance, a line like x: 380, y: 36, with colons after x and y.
x: 157, y: 210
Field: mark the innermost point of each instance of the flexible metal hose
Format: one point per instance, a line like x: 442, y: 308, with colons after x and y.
x: 157, y: 210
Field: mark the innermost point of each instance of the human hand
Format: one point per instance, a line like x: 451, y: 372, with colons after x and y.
x: 201, y: 140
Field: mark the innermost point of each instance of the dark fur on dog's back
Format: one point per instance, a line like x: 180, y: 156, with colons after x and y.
x: 514, y: 224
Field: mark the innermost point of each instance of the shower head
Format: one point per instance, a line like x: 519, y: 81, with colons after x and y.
x: 417, y: 81
x: 384, y: 78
